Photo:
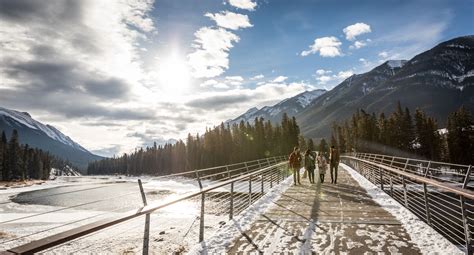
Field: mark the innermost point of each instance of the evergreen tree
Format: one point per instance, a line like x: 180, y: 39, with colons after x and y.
x: 460, y: 137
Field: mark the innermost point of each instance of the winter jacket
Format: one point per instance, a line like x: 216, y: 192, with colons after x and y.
x: 334, y: 157
x: 322, y: 164
x: 295, y: 160
x: 309, y: 162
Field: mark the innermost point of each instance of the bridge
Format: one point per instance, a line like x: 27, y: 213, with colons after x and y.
x: 381, y: 204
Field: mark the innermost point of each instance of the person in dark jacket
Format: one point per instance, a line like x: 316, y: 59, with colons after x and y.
x: 295, y: 164
x: 333, y: 163
x: 309, y: 165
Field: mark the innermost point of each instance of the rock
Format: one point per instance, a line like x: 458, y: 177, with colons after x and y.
x: 162, y: 233
x: 161, y: 239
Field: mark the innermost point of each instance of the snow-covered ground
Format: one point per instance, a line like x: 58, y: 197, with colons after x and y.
x: 174, y: 228
x: 224, y: 236
x: 427, y: 239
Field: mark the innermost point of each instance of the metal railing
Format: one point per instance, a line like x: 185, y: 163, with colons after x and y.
x: 438, y: 193
x: 224, y: 191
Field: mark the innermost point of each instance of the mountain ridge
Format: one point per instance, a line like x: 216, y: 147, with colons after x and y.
x: 45, y: 137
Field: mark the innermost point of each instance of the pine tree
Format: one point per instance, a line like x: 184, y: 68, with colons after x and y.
x: 460, y: 137
x: 14, y: 164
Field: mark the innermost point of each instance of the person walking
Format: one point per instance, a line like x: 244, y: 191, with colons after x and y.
x: 333, y: 163
x: 322, y: 166
x: 309, y: 165
x: 295, y: 164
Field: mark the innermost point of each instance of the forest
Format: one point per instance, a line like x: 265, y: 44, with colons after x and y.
x: 402, y: 134
x: 20, y: 162
x: 221, y: 145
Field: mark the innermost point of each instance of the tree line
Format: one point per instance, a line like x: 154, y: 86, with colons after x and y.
x: 221, y: 145
x: 20, y: 162
x: 402, y: 134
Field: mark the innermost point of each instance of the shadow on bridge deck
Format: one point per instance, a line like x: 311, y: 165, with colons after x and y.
x: 325, y: 218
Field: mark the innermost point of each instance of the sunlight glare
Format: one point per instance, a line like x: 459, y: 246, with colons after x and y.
x: 174, y: 76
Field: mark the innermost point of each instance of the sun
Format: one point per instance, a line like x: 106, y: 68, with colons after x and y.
x: 174, y: 75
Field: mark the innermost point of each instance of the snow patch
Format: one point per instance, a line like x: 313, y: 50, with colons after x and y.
x: 396, y: 63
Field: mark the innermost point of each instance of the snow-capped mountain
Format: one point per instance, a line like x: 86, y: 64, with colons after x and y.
x: 290, y: 106
x: 437, y: 81
x: 46, y: 137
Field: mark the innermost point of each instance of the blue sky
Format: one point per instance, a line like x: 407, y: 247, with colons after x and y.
x: 116, y: 74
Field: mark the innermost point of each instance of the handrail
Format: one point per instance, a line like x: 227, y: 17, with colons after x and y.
x: 458, y: 191
x: 428, y: 191
x: 54, y: 240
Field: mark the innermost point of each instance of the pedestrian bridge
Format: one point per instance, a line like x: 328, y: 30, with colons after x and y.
x: 381, y: 204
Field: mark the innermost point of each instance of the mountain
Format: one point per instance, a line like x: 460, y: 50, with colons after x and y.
x: 46, y: 137
x: 291, y: 106
x: 438, y: 81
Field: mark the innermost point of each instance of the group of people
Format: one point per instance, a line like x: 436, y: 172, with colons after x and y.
x: 311, y: 160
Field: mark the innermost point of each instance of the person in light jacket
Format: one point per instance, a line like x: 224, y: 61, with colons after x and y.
x: 322, y: 166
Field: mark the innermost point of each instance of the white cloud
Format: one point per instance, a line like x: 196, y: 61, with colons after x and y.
x: 383, y: 54
x: 323, y: 72
x: 324, y: 77
x: 257, y: 77
x: 358, y: 45
x: 280, y: 79
x: 230, y: 20
x: 326, y: 46
x: 211, y: 55
x: 243, y: 4
x: 355, y: 30
x: 234, y: 78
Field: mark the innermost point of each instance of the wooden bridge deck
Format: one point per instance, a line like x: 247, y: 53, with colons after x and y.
x: 325, y: 218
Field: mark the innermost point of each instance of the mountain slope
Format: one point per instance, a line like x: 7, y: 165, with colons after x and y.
x: 46, y: 137
x: 291, y: 106
x: 437, y: 81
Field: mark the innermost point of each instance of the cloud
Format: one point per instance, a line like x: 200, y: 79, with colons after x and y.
x: 383, y: 54
x: 243, y: 4
x: 230, y: 20
x: 355, y: 30
x: 325, y: 77
x: 211, y: 55
x: 326, y: 46
x: 218, y: 101
x: 358, y: 45
x: 280, y: 79
x: 58, y: 58
x: 257, y: 77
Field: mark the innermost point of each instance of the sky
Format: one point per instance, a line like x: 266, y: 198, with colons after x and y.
x: 118, y: 74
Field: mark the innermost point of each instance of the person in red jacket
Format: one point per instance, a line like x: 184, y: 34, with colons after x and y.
x: 295, y: 164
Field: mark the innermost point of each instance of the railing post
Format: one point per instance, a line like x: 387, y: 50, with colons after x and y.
x: 271, y: 178
x: 427, y: 169
x: 201, y: 219
x: 405, y: 195
x: 427, y: 205
x: 263, y: 174
x: 391, y: 187
x: 467, y: 233
x: 406, y: 164
x: 246, y: 167
x: 146, y: 233
x: 467, y: 178
x: 250, y: 190
x: 381, y: 178
x: 228, y: 172
x: 231, y: 209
